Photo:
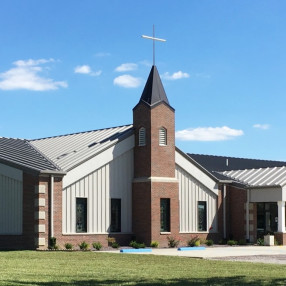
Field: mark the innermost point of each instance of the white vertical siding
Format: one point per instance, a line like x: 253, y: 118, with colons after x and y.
x: 11, y: 200
x: 113, y: 180
x: 190, y: 192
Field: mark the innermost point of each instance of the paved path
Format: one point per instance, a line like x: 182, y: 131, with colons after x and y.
x: 264, y: 254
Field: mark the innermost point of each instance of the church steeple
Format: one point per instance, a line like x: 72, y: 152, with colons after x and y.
x: 154, y: 92
x: 155, y: 189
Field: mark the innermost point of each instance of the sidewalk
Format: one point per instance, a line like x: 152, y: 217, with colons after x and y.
x: 264, y: 254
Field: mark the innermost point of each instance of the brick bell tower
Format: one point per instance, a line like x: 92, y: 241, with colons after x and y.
x: 155, y: 190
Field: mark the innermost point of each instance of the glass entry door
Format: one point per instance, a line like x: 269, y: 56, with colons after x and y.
x: 267, y: 218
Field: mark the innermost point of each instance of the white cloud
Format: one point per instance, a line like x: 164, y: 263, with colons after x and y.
x: 126, y: 67
x: 26, y: 75
x: 208, y: 134
x: 175, y: 75
x: 261, y: 126
x: 127, y: 81
x: 85, y: 69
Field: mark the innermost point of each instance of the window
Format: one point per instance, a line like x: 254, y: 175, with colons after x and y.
x: 142, y: 136
x: 81, y: 214
x: 115, y: 224
x: 202, y: 216
x: 165, y: 215
x: 162, y: 136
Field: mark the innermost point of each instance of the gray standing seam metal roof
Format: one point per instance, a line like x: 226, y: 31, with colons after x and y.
x: 21, y: 153
x: 240, y: 170
x: 224, y: 163
x: 263, y: 177
x: 68, y: 151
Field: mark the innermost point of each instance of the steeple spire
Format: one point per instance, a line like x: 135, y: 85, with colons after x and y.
x: 154, y: 92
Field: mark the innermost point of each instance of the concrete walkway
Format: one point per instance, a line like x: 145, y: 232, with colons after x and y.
x: 264, y: 254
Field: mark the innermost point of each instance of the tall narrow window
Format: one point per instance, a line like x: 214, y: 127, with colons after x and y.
x: 202, y: 216
x: 142, y: 136
x: 165, y: 215
x: 81, y: 214
x: 115, y: 225
x: 162, y: 136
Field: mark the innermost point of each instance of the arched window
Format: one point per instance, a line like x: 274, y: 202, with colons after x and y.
x: 142, y: 136
x: 162, y: 136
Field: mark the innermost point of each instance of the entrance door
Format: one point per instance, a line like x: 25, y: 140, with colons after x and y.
x: 267, y: 218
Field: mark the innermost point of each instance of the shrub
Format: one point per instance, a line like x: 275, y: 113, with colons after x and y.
x: 68, y: 246
x: 52, y: 243
x: 154, y: 244
x: 97, y: 245
x: 260, y: 241
x: 231, y: 242
x: 242, y: 242
x: 136, y: 244
x: 111, y: 240
x: 115, y: 245
x: 209, y: 242
x: 172, y: 242
x: 194, y: 241
x: 83, y: 245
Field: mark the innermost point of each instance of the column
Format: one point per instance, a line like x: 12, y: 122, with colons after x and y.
x: 281, y: 216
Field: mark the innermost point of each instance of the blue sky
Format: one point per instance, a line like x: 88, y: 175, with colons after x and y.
x: 72, y: 66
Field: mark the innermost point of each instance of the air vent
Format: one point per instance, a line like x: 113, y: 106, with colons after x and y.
x: 162, y: 136
x: 142, y: 136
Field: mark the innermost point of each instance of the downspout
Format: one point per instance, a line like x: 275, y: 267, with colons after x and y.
x: 52, y: 206
x: 247, y: 216
x: 224, y: 211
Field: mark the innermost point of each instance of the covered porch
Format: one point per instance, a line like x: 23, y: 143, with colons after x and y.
x: 265, y: 205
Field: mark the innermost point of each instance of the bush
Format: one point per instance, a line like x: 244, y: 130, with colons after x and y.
x: 68, y: 246
x: 260, y: 241
x: 209, y: 242
x: 242, y: 242
x: 231, y: 242
x: 172, y: 242
x: 83, y: 245
x: 52, y: 243
x: 97, y: 245
x: 194, y: 241
x: 154, y: 244
x: 136, y: 244
x: 111, y: 240
x: 115, y: 245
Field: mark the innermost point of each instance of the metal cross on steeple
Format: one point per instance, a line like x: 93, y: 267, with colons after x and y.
x: 154, y: 39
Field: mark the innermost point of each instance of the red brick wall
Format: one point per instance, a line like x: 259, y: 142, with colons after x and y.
x: 237, y: 222
x: 164, y: 190
x: 152, y: 159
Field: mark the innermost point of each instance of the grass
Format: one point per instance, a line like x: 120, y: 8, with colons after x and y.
x: 90, y: 268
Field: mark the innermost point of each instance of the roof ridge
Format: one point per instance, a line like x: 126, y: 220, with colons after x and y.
x: 249, y: 169
x: 231, y: 157
x: 3, y: 137
x: 43, y: 155
x: 89, y: 131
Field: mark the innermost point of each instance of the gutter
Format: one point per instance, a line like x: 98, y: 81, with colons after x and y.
x: 52, y: 206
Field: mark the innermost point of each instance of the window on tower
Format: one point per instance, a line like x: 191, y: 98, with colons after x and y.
x: 142, y: 136
x: 162, y: 136
x: 165, y: 215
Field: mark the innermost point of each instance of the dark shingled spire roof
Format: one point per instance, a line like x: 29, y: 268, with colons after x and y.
x: 154, y: 91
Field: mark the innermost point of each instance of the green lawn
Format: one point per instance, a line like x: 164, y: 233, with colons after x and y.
x: 90, y: 268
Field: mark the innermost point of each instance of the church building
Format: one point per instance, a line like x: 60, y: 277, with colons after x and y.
x: 132, y: 183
